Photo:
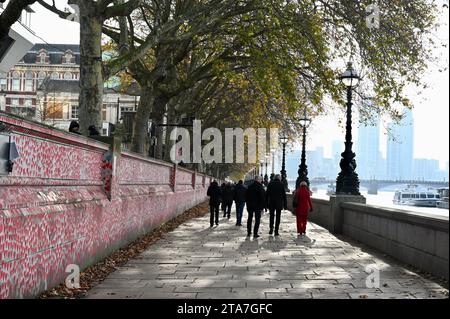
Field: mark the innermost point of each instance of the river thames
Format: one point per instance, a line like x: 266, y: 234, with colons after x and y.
x: 384, y: 199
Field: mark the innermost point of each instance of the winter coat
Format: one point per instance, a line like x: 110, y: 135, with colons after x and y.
x: 276, y: 195
x: 215, y: 194
x: 304, y: 204
x: 255, y: 197
x: 239, y: 193
x: 228, y: 194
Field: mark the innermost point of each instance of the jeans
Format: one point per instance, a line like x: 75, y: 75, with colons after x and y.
x: 239, y: 212
x: 257, y: 214
x: 272, y: 218
x: 214, y: 213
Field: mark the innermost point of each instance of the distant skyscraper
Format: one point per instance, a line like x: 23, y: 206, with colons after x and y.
x: 368, y: 149
x: 400, y: 148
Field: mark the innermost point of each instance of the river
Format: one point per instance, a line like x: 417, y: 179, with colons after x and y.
x: 384, y: 199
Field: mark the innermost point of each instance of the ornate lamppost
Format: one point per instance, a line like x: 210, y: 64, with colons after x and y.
x: 266, y: 162
x: 347, y: 182
x: 283, y: 141
x: 303, y: 168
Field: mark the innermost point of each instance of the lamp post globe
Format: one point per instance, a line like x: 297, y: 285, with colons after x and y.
x: 347, y: 182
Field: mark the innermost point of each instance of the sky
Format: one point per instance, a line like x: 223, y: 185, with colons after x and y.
x: 431, y: 108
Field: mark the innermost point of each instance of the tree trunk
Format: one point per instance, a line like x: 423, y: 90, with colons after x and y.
x: 91, y: 73
x: 159, y: 109
x: 140, y: 126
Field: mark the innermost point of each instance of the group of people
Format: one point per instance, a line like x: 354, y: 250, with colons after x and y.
x: 258, y: 198
x: 74, y: 127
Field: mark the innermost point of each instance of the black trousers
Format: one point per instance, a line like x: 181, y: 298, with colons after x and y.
x: 277, y: 220
x: 213, y: 214
x: 227, y: 209
x: 257, y: 214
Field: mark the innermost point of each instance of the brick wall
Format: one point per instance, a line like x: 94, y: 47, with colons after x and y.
x: 70, y: 200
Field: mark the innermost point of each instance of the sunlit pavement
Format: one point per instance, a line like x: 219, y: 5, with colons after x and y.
x: 196, y: 261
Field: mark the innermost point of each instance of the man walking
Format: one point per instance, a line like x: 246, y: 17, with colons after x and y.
x: 227, y: 197
x: 239, y: 199
x: 214, y: 194
x: 255, y: 198
x: 276, y: 201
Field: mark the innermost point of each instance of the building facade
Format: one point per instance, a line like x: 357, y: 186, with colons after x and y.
x: 44, y: 86
x: 400, y: 147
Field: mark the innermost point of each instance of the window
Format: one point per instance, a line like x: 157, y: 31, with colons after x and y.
x: 430, y: 195
x: 28, y: 103
x: 67, y: 58
x: 29, y: 81
x: 74, y: 111
x: 55, y: 76
x: 16, y: 82
x: 41, y: 77
x: 423, y: 195
x: 406, y: 196
x: 67, y: 76
x: 3, y: 82
x: 14, y: 102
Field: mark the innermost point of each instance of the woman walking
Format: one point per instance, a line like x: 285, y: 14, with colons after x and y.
x: 304, y: 206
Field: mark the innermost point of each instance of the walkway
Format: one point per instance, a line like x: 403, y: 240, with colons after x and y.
x: 196, y: 261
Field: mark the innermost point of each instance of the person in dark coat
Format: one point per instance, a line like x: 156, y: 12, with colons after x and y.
x: 222, y: 207
x: 304, y: 206
x: 239, y: 199
x: 93, y: 131
x: 276, y: 201
x: 74, y: 127
x: 255, y: 199
x: 214, y: 194
x: 227, y: 197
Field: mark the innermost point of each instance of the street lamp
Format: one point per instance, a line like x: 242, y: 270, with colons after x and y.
x: 303, y: 169
x: 266, y: 177
x: 283, y: 141
x: 347, y: 182
x: 261, y: 163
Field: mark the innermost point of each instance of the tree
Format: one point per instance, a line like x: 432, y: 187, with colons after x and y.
x: 11, y: 15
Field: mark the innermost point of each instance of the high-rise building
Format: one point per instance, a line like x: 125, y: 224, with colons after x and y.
x: 400, y: 148
x: 426, y: 169
x: 368, y: 149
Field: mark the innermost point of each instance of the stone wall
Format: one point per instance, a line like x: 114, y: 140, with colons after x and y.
x: 72, y: 200
x: 420, y: 240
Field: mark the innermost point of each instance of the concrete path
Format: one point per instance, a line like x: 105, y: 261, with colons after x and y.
x: 196, y: 261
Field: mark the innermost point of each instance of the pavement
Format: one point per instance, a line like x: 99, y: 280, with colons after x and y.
x: 199, y: 262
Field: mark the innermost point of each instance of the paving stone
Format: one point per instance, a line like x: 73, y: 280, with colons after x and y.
x: 195, y: 261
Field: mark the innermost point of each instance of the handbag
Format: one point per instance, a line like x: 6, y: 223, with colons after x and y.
x: 295, y: 200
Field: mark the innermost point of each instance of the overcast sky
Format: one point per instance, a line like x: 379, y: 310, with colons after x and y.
x: 431, y: 109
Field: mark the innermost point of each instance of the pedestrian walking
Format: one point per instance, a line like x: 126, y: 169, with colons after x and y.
x: 222, y: 206
x: 214, y: 194
x: 239, y: 199
x: 255, y: 198
x: 227, y: 198
x: 303, y: 207
x: 276, y: 201
x: 74, y: 127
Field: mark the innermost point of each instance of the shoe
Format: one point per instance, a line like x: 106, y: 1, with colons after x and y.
x: 276, y: 234
x: 217, y: 224
x: 212, y: 225
x: 249, y: 234
x: 255, y: 236
x: 271, y: 232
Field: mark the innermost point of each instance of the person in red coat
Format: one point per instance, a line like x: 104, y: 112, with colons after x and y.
x: 304, y: 206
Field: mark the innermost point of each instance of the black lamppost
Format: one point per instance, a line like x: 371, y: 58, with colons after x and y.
x: 261, y: 164
x: 266, y: 177
x: 347, y: 182
x: 283, y: 141
x: 303, y: 168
